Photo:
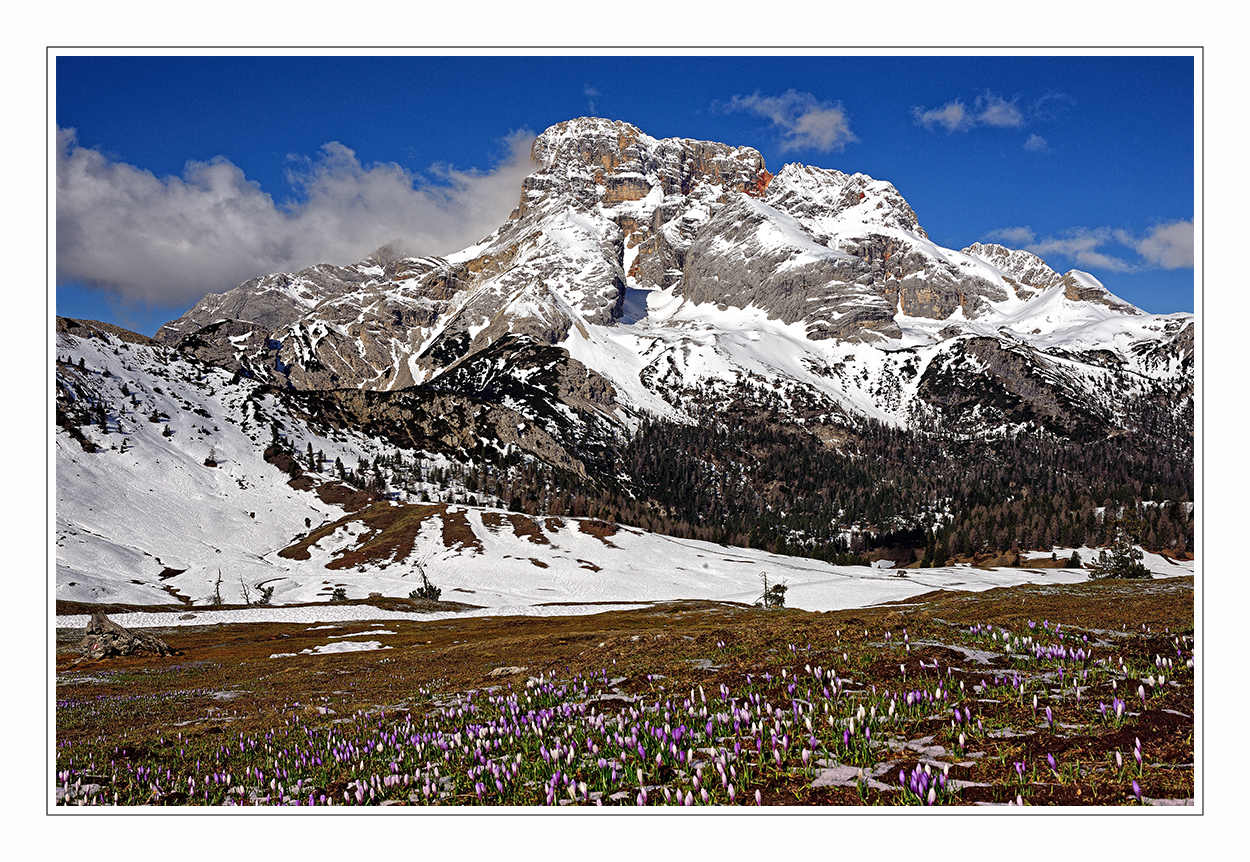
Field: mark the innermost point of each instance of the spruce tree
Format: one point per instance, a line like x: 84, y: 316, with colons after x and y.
x: 1123, y: 559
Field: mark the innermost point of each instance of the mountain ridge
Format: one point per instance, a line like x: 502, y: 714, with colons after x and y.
x: 614, y: 222
x: 663, y: 334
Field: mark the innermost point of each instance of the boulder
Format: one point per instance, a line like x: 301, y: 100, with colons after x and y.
x: 105, y: 638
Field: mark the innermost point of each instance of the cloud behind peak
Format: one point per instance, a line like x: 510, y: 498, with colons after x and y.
x: 171, y: 240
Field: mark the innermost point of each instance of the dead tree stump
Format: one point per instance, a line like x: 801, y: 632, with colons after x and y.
x: 106, y: 638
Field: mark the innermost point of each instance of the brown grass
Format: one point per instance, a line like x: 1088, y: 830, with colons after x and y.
x: 457, y: 531
x: 525, y: 528
x: 391, y: 536
x: 601, y: 530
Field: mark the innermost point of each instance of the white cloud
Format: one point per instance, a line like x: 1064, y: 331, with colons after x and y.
x: 987, y: 110
x: 1019, y: 236
x: 952, y: 116
x: 1167, y: 246
x: 805, y: 122
x: 992, y: 110
x: 1170, y: 246
x: 1082, y: 246
x: 169, y: 241
x: 1036, y: 144
x: 591, y: 93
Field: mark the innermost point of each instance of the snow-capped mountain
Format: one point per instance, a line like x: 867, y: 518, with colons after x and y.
x: 663, y: 331
x: 658, y: 268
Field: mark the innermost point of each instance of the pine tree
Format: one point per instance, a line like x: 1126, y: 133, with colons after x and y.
x: 1123, y: 559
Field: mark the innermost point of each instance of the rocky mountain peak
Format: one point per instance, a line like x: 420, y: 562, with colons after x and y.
x: 1080, y: 286
x: 824, y: 194
x: 1022, y: 265
x: 599, y: 161
x: 590, y: 142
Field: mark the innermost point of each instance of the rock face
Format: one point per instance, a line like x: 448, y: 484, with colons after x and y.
x: 750, y: 255
x: 325, y: 326
x: 537, y: 316
x: 105, y: 638
x: 982, y: 378
x: 442, y: 422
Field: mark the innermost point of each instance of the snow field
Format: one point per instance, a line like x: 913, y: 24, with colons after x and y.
x: 502, y: 578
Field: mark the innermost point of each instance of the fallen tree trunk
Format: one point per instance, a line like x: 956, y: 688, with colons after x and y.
x: 105, y: 638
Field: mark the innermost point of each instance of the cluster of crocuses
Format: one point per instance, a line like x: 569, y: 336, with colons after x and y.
x: 579, y: 741
x: 1054, y: 651
x: 1071, y: 657
x: 102, y: 707
x: 925, y: 785
x: 596, y: 739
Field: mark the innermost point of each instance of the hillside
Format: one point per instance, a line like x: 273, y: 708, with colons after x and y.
x: 181, y: 484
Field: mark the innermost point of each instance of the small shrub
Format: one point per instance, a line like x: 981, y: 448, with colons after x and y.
x: 339, y: 594
x: 427, y: 591
x: 774, y: 596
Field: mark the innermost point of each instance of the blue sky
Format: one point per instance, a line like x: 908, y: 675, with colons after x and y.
x: 181, y: 175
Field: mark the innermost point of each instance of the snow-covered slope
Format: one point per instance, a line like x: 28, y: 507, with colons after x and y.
x: 162, y: 484
x: 168, y: 492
